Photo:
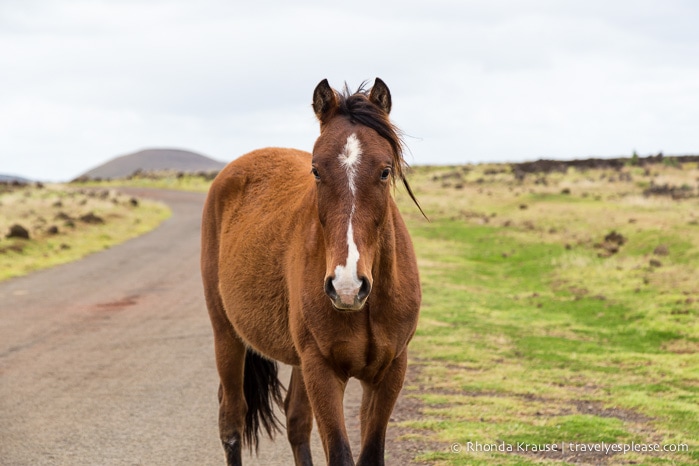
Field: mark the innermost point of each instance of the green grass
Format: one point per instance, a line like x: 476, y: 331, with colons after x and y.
x: 522, y: 323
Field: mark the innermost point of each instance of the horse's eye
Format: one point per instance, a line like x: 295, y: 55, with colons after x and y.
x: 385, y: 173
x: 315, y: 173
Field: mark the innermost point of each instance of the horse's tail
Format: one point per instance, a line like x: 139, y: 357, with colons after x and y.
x: 262, y: 391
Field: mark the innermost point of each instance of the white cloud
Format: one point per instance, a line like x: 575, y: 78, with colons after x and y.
x: 84, y: 81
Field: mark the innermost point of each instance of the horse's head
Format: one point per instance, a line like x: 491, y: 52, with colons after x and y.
x: 356, y: 159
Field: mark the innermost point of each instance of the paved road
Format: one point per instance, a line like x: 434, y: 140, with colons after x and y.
x: 109, y: 360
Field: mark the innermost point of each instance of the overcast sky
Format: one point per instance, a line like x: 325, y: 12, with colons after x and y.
x: 84, y: 81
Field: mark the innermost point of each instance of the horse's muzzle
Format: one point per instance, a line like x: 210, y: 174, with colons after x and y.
x: 348, y: 300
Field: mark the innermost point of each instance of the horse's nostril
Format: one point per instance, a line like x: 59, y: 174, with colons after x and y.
x: 365, y: 289
x: 330, y: 289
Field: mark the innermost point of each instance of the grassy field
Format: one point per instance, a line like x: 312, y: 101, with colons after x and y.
x: 65, y: 223
x: 559, y: 311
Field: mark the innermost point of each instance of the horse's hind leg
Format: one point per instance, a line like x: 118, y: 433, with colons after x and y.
x: 299, y: 419
x: 230, y: 361
x: 230, y: 350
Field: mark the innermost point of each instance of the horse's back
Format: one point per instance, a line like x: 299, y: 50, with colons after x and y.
x: 248, y: 216
x: 259, y: 182
x: 263, y: 173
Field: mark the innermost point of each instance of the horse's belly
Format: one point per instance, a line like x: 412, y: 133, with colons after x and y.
x: 253, y: 290
x: 261, y: 324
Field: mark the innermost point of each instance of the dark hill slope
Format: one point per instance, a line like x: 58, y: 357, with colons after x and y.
x: 550, y: 166
x: 12, y: 178
x: 153, y: 160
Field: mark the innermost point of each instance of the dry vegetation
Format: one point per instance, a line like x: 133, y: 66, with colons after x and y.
x: 160, y: 179
x: 44, y: 225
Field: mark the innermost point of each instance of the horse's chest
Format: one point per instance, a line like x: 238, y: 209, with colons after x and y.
x: 362, y: 358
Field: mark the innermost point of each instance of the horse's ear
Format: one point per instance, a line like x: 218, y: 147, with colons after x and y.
x: 324, y: 101
x: 380, y: 95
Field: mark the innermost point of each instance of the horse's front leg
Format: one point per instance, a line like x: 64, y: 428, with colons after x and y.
x: 299, y: 419
x: 325, y: 391
x: 377, y: 405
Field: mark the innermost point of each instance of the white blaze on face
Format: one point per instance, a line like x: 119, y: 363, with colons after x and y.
x: 350, y: 157
x: 347, y: 282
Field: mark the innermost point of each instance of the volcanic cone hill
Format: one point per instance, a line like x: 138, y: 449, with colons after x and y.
x: 153, y: 160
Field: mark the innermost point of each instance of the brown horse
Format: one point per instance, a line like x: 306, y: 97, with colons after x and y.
x: 306, y: 260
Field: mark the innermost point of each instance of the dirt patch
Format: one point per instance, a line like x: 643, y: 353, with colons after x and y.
x: 119, y: 304
x: 408, y: 443
x: 595, y: 408
x: 682, y: 346
x: 594, y: 453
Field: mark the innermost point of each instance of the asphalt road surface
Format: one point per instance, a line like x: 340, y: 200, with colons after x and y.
x: 109, y: 360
